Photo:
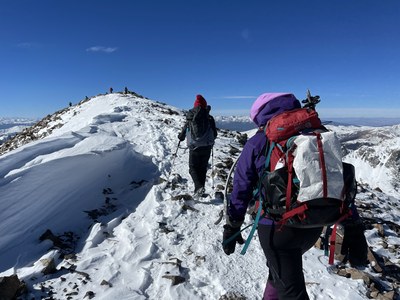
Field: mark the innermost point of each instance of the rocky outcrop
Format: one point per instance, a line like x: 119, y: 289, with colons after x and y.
x: 11, y: 287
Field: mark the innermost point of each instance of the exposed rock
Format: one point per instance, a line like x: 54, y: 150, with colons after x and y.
x: 182, y: 197
x: 105, y: 282
x: 49, y: 266
x: 242, y: 139
x: 234, y: 150
x: 186, y: 207
x: 381, y: 231
x: 164, y: 228
x: 11, y: 287
x: 176, y: 279
x: 232, y: 296
x: 48, y: 235
x: 200, y: 259
x: 65, y: 242
x: 89, y: 295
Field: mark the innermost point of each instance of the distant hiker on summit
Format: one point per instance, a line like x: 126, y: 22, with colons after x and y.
x: 290, y: 145
x: 200, y: 131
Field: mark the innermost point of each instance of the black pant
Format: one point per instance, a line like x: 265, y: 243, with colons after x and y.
x: 198, y: 162
x: 283, y: 247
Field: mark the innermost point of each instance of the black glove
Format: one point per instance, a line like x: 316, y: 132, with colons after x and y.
x: 233, y: 235
x: 355, y: 247
x: 181, y: 136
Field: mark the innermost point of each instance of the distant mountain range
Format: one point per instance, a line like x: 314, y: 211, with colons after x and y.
x: 375, y: 122
x: 9, y: 127
x: 243, y: 123
x: 8, y: 121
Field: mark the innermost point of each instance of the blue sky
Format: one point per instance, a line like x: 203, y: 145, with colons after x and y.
x: 230, y: 51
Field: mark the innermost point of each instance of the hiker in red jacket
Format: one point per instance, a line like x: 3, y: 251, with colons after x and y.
x: 200, y: 131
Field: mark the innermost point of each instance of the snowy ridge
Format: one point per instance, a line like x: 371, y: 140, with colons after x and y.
x: 376, y: 153
x: 93, y: 203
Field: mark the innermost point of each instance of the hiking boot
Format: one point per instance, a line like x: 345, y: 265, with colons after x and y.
x: 199, y: 193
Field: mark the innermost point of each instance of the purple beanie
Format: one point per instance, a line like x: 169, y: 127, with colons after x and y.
x: 270, y: 104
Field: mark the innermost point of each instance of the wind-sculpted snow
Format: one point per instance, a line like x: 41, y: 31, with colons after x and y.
x: 104, y: 199
x: 26, y: 155
x: 58, y: 188
x: 108, y: 118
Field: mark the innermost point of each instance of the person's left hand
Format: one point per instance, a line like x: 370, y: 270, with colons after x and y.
x: 181, y: 136
x: 230, y: 237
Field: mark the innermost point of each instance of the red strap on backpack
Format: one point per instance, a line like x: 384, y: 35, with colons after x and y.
x: 322, y: 165
x: 298, y: 211
x: 332, y: 239
x: 290, y: 180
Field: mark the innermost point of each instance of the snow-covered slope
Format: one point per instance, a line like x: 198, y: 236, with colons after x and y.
x: 375, y: 151
x: 97, y: 205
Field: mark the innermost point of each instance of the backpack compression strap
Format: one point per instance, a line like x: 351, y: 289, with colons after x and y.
x: 332, y: 239
x: 322, y: 164
x: 255, y: 224
x: 290, y: 159
x: 260, y: 203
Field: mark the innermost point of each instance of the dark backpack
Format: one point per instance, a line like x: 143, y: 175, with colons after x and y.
x: 304, y: 182
x: 199, y: 131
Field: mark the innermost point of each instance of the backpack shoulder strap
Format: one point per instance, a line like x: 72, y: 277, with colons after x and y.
x: 267, y: 150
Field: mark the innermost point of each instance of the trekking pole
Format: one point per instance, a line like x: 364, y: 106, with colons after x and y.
x: 173, y: 159
x: 224, y: 210
x: 212, y: 167
x: 311, y: 101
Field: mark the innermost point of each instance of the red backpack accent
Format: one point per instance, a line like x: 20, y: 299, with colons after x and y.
x: 289, y: 123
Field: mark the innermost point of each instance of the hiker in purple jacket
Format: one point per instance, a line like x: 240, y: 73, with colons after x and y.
x: 284, y: 246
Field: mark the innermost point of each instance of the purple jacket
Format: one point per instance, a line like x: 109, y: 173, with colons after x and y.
x: 252, y: 159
